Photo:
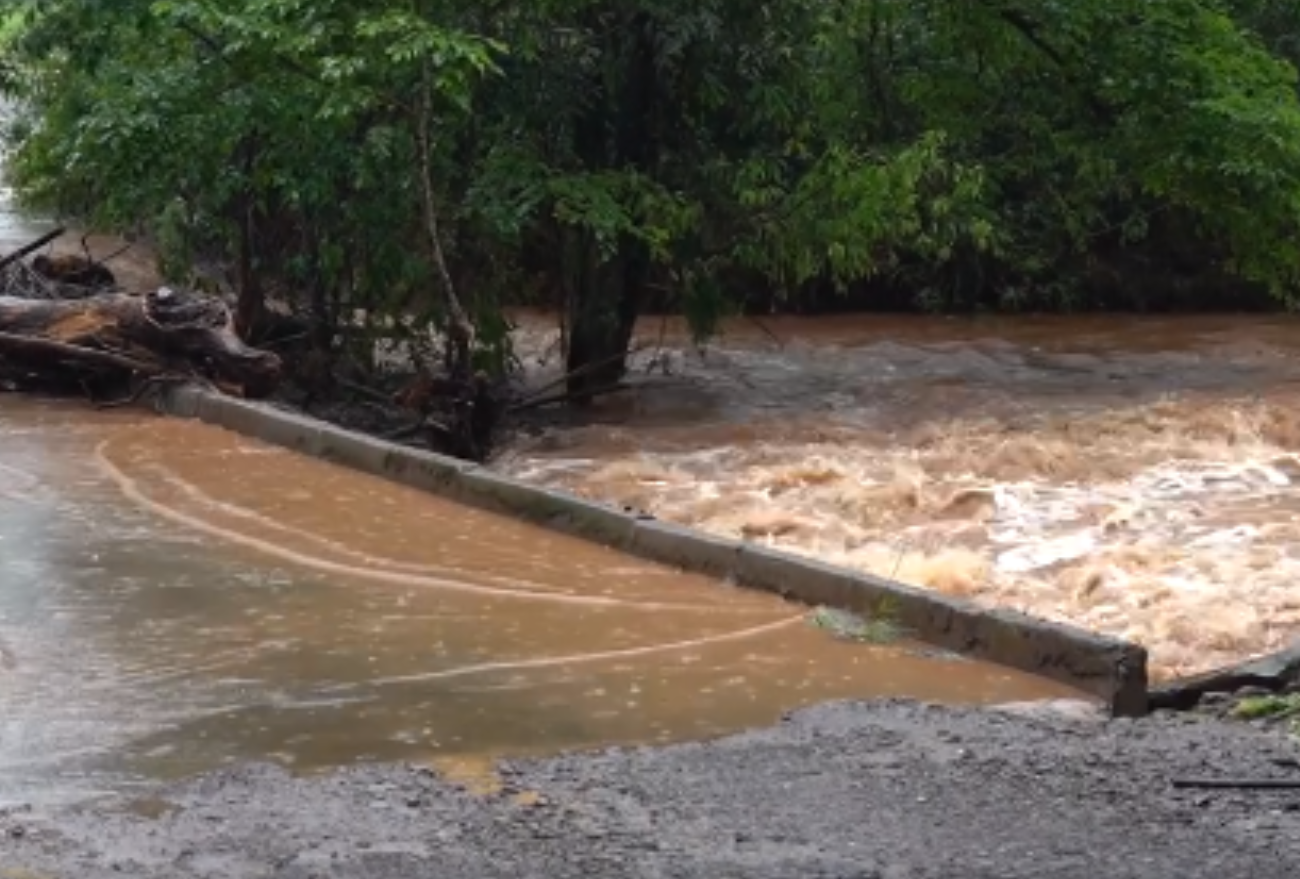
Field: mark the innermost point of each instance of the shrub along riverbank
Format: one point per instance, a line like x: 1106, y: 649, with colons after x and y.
x: 445, y: 158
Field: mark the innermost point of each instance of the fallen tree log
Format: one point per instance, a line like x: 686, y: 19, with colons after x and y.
x: 121, y: 338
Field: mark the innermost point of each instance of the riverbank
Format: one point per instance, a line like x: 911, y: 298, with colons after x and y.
x: 886, y: 789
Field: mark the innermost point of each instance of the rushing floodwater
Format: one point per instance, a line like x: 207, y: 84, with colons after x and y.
x: 173, y: 597
x: 1137, y: 476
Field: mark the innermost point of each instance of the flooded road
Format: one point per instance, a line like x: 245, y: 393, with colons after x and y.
x: 174, y: 598
x: 1137, y: 476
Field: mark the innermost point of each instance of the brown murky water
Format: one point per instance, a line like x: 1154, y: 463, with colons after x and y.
x: 1137, y: 476
x: 159, y: 612
x: 174, y: 597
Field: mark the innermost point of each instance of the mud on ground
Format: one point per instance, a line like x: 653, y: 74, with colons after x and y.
x: 885, y: 789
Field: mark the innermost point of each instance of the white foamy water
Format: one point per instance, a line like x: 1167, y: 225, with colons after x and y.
x: 1137, y: 478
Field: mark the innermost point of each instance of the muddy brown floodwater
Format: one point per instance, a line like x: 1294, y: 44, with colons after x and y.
x: 174, y: 597
x: 1134, y: 475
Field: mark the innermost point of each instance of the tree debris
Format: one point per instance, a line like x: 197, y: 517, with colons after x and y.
x: 117, y: 340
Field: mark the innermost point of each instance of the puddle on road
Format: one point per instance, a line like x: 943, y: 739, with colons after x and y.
x: 174, y: 597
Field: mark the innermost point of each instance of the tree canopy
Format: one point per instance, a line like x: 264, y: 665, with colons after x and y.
x: 417, y: 156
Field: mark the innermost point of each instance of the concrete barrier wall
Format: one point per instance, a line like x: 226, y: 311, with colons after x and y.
x: 1114, y: 671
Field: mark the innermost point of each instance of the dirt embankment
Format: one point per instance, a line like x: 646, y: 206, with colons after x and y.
x: 860, y: 790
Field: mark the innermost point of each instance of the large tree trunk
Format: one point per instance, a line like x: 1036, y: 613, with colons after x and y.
x: 605, y: 295
x: 123, y: 337
x: 604, y: 299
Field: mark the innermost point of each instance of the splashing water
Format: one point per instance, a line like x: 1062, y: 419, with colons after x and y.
x: 1138, y: 478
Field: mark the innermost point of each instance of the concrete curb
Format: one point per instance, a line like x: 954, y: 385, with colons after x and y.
x: 1277, y: 672
x: 1112, y: 670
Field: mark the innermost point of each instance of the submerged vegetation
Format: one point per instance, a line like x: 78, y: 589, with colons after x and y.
x: 1267, y: 707
x: 880, y: 629
x: 436, y: 160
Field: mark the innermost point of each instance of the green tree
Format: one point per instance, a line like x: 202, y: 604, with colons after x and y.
x: 426, y: 158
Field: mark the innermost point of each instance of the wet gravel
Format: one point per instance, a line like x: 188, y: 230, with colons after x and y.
x: 881, y: 789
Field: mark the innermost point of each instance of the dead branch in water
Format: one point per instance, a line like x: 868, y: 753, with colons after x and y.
x: 149, y: 384
x: 361, y: 390
x: 10, y: 258
x: 566, y: 396
x: 65, y: 276
x: 528, y: 401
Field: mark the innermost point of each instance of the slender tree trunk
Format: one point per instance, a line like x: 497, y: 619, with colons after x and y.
x: 251, y: 305
x: 321, y: 321
x: 460, y: 330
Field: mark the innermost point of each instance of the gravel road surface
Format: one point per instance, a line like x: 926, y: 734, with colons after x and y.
x: 879, y: 789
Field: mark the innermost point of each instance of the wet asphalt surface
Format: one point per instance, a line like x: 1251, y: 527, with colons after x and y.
x: 883, y: 789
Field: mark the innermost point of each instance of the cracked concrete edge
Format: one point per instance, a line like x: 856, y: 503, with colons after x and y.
x: 1109, y: 669
x: 1276, y: 671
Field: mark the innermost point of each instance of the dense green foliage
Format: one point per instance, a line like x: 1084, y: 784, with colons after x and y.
x: 605, y: 155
